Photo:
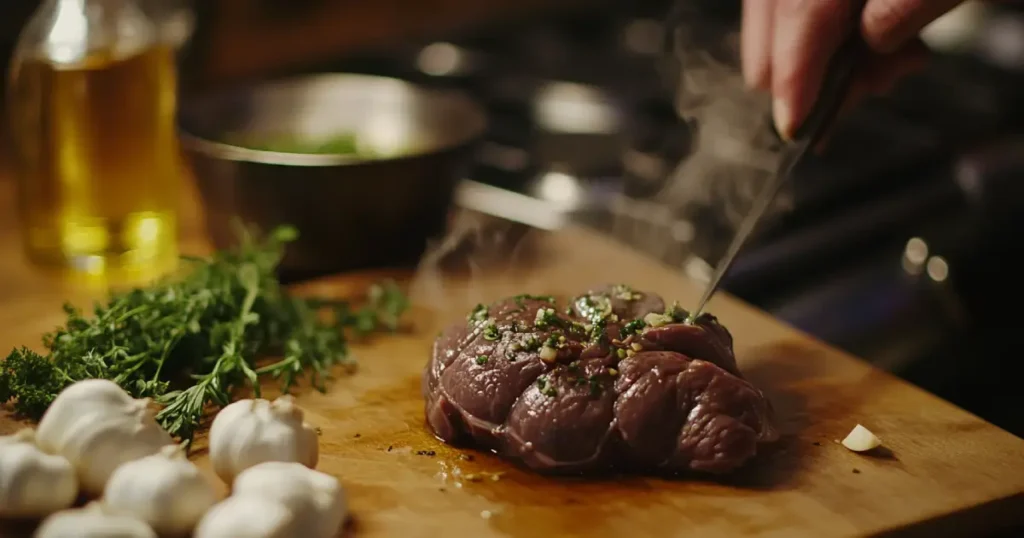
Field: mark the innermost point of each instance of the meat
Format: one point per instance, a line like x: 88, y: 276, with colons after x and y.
x: 613, y: 381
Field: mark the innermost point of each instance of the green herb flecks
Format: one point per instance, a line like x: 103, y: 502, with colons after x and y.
x: 677, y: 313
x: 481, y: 360
x: 625, y: 293
x: 521, y: 299
x: 632, y: 328
x: 478, y: 314
x: 546, y: 388
x: 491, y: 332
x: 594, y: 308
x: 193, y: 340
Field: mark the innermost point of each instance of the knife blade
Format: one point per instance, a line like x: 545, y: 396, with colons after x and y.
x: 834, y: 90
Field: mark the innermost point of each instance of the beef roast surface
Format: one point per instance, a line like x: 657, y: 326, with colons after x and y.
x: 614, y: 380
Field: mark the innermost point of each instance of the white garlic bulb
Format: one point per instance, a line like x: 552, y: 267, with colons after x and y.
x: 75, y: 401
x: 248, y: 517
x: 33, y: 484
x: 317, y: 499
x: 97, y: 427
x: 92, y: 522
x: 165, y: 490
x: 250, y: 432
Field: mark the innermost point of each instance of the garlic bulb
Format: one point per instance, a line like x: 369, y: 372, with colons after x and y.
x: 165, y: 490
x: 33, y: 483
x: 248, y: 517
x: 250, y: 432
x: 98, y: 437
x: 75, y: 401
x: 92, y: 522
x: 316, y: 498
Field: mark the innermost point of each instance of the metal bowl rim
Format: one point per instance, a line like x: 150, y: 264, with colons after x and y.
x: 222, y: 150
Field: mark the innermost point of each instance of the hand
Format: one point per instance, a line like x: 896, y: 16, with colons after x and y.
x: 786, y: 46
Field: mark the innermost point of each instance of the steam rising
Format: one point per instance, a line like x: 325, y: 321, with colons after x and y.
x: 735, y: 152
x: 735, y: 149
x: 486, y: 250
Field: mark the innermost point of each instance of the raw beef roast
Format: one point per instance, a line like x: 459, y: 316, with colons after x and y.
x: 615, y: 380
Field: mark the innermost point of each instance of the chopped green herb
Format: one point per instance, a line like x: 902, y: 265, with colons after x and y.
x: 478, y: 314
x: 546, y: 388
x: 625, y: 293
x: 677, y: 313
x: 598, y: 331
x: 481, y: 359
x: 491, y: 332
x: 594, y: 307
x: 595, y: 385
x: 190, y: 342
x: 632, y: 327
x: 546, y: 317
x: 531, y: 343
x: 521, y: 299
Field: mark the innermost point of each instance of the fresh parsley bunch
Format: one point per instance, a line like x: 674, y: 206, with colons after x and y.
x: 191, y: 341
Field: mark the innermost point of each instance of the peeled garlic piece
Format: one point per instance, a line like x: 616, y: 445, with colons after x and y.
x: 250, y: 432
x: 860, y: 439
x: 92, y: 522
x: 33, y: 484
x: 317, y: 499
x: 248, y: 517
x: 165, y: 490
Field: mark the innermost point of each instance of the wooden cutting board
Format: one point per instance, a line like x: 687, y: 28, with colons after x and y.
x: 949, y: 473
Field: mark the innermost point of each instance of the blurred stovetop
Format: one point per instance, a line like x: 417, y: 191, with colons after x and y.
x: 898, y: 244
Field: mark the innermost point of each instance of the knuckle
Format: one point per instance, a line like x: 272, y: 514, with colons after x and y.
x: 882, y: 18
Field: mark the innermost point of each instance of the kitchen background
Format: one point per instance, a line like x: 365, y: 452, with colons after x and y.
x: 901, y: 243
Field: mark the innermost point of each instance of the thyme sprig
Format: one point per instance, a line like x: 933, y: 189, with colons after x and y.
x: 192, y: 341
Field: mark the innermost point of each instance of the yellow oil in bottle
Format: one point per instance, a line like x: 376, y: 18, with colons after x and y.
x: 97, y: 162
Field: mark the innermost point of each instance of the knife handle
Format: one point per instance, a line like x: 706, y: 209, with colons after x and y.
x: 835, y: 88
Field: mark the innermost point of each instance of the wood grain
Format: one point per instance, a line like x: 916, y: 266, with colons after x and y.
x: 949, y: 473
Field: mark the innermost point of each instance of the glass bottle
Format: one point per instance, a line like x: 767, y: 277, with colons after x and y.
x: 92, y: 97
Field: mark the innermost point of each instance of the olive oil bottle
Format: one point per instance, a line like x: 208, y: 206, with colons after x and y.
x: 91, y: 109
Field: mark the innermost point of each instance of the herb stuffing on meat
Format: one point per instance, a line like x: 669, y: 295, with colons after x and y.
x: 615, y: 379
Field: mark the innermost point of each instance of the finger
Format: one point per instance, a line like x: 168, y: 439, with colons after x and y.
x: 886, y: 70
x: 806, y: 33
x: 889, y: 24
x: 878, y: 76
x: 756, y: 42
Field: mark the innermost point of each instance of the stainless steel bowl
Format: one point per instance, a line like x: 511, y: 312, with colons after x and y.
x: 351, y: 211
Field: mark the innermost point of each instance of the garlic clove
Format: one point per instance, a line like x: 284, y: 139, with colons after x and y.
x: 284, y: 407
x: 860, y: 439
x: 250, y: 432
x: 165, y: 490
x: 73, y: 402
x: 308, y: 450
x: 248, y: 517
x: 101, y: 441
x: 92, y: 521
x: 317, y: 499
x: 33, y: 484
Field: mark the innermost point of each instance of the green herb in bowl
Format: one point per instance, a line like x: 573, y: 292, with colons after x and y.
x: 340, y: 144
